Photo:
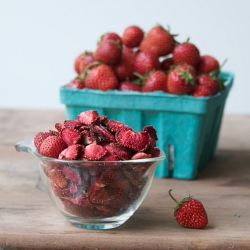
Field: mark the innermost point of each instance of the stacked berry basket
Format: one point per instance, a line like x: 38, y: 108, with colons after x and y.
x: 143, y: 78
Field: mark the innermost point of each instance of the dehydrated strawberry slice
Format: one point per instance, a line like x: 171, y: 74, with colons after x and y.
x: 123, y: 185
x: 107, y: 211
x: 118, y: 199
x: 39, y: 138
x: 52, y: 146
x: 87, y: 138
x: 82, y: 201
x: 114, y: 126
x: 155, y: 152
x: 88, y: 117
x: 70, y: 136
x: 71, y: 153
x: 119, y: 150
x: 57, y: 177
x: 102, y: 119
x: 152, y: 133
x: 74, y: 189
x: 102, y: 133
x: 100, y: 196
x: 77, y: 210
x: 60, y: 192
x: 94, y: 152
x: 138, y: 141
x: 132, y: 178
x: 140, y: 155
x: 71, y: 174
x: 110, y: 157
x: 111, y: 175
x: 59, y: 126
x: 72, y: 123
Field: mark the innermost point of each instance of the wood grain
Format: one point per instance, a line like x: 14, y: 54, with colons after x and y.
x: 29, y: 220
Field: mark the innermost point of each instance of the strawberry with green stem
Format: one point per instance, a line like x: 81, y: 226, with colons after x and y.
x: 190, y: 212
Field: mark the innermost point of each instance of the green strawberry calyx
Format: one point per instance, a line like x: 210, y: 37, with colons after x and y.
x: 186, y: 199
x: 186, y: 76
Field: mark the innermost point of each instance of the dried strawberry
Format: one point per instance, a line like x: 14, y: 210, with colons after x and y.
x: 138, y: 141
x: 57, y: 177
x: 39, y: 138
x: 70, y: 136
x: 131, y: 177
x: 110, y: 175
x: 107, y: 211
x: 110, y: 157
x: 82, y: 200
x: 72, y: 152
x: 87, y: 138
x: 117, y: 198
x: 77, y: 210
x: 59, y: 192
x: 114, y: 126
x: 152, y: 133
x: 88, y: 117
x: 122, y: 152
x: 140, y: 155
x: 94, y: 152
x: 52, y: 146
x: 73, y: 124
x: 102, y: 133
x: 100, y: 196
x: 155, y: 152
x: 71, y: 174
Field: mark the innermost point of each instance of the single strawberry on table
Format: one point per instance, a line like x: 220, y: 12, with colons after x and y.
x: 190, y: 213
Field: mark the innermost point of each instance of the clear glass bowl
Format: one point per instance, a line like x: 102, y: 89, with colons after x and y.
x: 95, y: 194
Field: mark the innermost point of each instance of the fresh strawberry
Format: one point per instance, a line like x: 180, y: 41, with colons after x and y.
x: 186, y: 53
x: 110, y: 36
x: 82, y: 61
x: 108, y: 52
x: 211, y: 82
x: 101, y: 77
x: 156, y: 80
x: 77, y: 83
x: 132, y: 36
x: 190, y: 213
x: 181, y: 80
x: 167, y: 63
x: 201, y: 90
x: 159, y: 41
x: 52, y: 146
x: 125, y: 68
x: 207, y: 64
x: 129, y: 86
x: 146, y: 61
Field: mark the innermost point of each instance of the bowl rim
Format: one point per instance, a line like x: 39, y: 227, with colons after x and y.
x: 28, y: 146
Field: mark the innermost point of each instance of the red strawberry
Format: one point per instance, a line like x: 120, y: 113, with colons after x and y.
x: 190, y: 213
x: 52, y: 146
x: 110, y: 36
x: 156, y: 80
x: 125, y: 68
x: 210, y: 82
x: 159, y: 41
x: 101, y: 77
x: 146, y: 61
x: 207, y: 64
x: 186, y: 53
x: 201, y: 90
x: 181, y: 80
x: 167, y: 63
x: 132, y: 36
x: 77, y: 83
x: 108, y: 52
x: 129, y: 86
x: 82, y: 61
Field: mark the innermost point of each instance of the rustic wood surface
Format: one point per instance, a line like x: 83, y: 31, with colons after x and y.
x: 29, y: 220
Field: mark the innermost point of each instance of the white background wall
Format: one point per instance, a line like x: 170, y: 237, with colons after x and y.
x: 40, y: 39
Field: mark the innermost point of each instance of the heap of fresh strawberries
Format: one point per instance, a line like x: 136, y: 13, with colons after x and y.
x: 96, y: 186
x: 152, y: 61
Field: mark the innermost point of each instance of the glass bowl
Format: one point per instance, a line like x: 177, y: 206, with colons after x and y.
x: 95, y: 194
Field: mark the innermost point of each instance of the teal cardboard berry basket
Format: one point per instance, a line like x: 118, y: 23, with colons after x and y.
x: 187, y: 127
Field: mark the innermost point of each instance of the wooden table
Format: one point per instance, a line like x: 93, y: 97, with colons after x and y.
x: 29, y: 220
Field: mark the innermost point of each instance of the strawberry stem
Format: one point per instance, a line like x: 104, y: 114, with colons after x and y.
x: 177, y: 202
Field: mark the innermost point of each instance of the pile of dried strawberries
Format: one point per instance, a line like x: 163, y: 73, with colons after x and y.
x: 146, y: 62
x: 97, y: 186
